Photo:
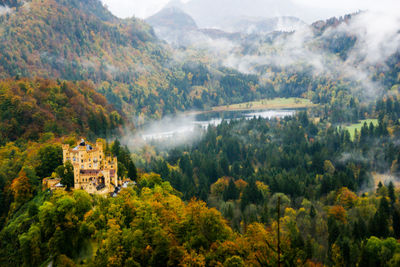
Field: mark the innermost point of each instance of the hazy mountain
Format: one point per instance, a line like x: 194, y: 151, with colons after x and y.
x: 178, y: 28
x: 172, y: 18
x: 249, y: 25
x: 214, y: 13
x: 173, y: 25
x: 141, y: 76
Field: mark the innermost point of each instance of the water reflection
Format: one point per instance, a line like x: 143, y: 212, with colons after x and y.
x: 184, y: 127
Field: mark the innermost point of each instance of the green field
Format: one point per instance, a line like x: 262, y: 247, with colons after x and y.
x: 352, y: 127
x: 276, y: 103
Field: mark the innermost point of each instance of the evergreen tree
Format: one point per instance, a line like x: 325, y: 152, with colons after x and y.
x: 132, y: 171
x: 251, y: 195
x: 396, y: 222
x: 231, y: 192
x: 379, y: 225
x: 333, y: 231
x: 116, y: 147
x: 391, y: 193
x: 380, y: 185
x: 312, y: 212
x: 371, y: 129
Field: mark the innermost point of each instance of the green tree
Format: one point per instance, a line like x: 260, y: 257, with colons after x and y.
x: 251, y: 195
x: 391, y: 192
x: 234, y: 261
x: 116, y: 147
x: 396, y: 222
x: 231, y: 192
x: 50, y: 157
x: 132, y: 171
x: 66, y: 173
x: 379, y: 225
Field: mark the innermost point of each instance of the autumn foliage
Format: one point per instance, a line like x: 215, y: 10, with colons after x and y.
x: 31, y: 107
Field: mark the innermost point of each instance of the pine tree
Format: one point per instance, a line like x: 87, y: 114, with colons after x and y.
x: 312, y: 212
x: 371, y: 130
x: 379, y: 225
x: 231, y: 192
x: 116, y: 147
x: 132, y: 171
x: 251, y: 195
x: 396, y: 222
x: 380, y: 185
x: 391, y: 192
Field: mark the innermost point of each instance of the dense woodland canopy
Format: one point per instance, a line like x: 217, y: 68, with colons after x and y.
x: 142, y: 76
x: 70, y: 69
x: 32, y: 107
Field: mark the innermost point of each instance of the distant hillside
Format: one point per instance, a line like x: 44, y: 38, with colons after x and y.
x: 174, y: 26
x: 173, y: 18
x: 144, y: 77
x: 81, y: 40
x: 250, y: 25
x: 11, y: 3
x: 31, y: 107
x: 178, y: 28
x: 213, y: 13
x: 73, y: 39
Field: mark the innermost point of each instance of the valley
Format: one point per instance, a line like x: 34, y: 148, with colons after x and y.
x: 197, y: 132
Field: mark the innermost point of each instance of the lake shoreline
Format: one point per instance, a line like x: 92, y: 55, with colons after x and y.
x: 266, y: 104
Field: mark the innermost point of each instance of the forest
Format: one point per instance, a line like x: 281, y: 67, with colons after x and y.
x: 215, y: 202
x: 319, y: 188
x: 322, y: 175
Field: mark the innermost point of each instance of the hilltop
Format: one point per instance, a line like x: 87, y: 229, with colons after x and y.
x: 173, y: 18
x: 137, y: 73
x: 30, y: 108
x: 74, y: 40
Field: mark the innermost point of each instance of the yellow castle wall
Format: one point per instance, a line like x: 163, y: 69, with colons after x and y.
x: 94, y: 159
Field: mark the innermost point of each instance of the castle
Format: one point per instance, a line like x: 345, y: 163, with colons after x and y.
x: 93, y: 171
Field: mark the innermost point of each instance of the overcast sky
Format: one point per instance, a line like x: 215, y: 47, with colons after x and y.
x: 145, y: 8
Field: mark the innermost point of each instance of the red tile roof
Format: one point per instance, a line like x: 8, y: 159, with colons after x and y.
x: 90, y: 172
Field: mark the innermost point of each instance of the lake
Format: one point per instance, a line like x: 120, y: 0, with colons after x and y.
x: 182, y: 127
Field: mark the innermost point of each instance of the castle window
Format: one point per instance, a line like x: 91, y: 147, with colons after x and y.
x: 74, y: 159
x: 90, y: 165
x: 90, y: 159
x: 82, y: 167
x: 82, y: 160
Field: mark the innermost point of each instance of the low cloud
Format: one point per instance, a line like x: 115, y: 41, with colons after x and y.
x: 377, y: 36
x: 5, y: 10
x: 170, y: 132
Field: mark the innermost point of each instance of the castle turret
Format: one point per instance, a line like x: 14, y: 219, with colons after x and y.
x: 66, y: 155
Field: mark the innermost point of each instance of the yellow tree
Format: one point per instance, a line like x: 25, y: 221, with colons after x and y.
x: 21, y: 188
